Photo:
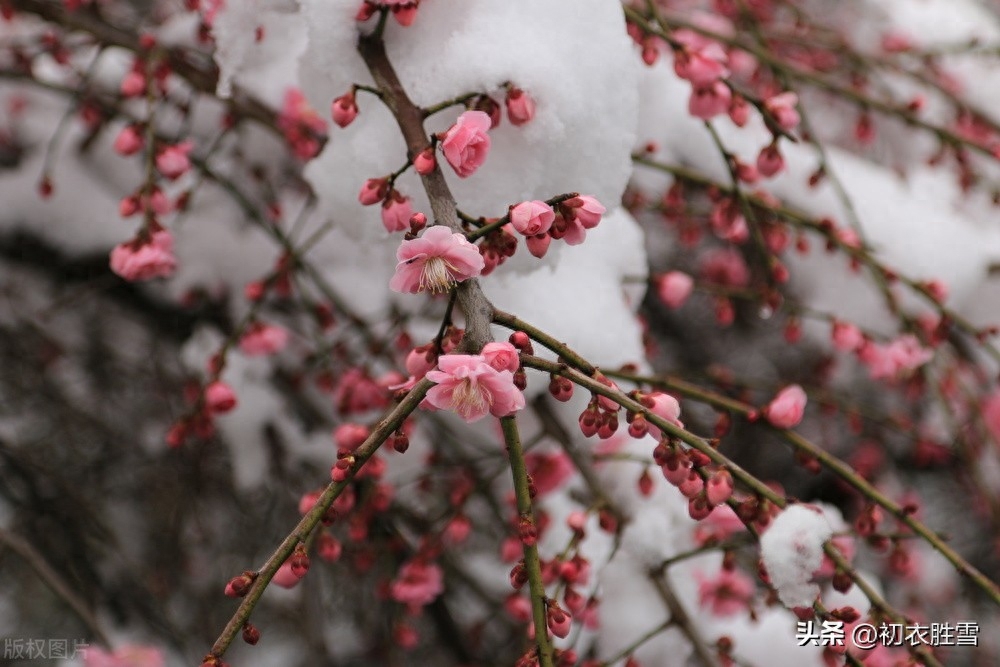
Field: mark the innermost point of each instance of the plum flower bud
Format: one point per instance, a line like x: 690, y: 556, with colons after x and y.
x: 709, y: 100
x: 129, y: 141
x: 501, y: 356
x: 341, y: 469
x: 145, y: 258
x: 590, y: 421
x: 466, y: 143
x: 719, y: 487
x: 558, y: 620
x: 396, y: 212
x: 787, y: 408
x: 425, y: 161
x: 173, y: 161
x: 739, y: 111
x: 520, y: 106
x: 133, y: 84
x: 531, y: 217
x: 698, y: 507
x: 299, y: 563
x: 538, y: 245
x: 674, y: 288
x: 692, y: 484
x: 561, y: 388
x: 527, y: 531
x: 518, y: 576
x: 251, y: 635
x: 219, y: 397
x: 373, y: 191
x: 263, y: 339
x: 405, y: 13
x: 782, y: 109
x: 239, y: 585
x: 584, y: 209
x: 770, y: 160
x: 846, y: 337
x: 638, y: 427
x: 664, y: 406
x: 344, y: 109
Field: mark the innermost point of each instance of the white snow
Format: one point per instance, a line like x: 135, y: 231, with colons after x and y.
x: 792, y: 550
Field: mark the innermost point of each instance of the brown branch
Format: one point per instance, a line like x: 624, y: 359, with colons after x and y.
x: 382, y: 430
x: 477, y: 308
x: 202, y: 76
x: 739, y: 474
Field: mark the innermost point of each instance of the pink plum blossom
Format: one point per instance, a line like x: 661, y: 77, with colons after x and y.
x: 709, y: 100
x: 435, y: 262
x: 417, y: 584
x: 728, y: 593
x: 701, y: 66
x: 173, y: 161
x: 787, y: 408
x: 263, y: 339
x: 846, y: 337
x: 129, y: 141
x: 782, y: 108
x: 532, y: 217
x: 548, y: 470
x: 145, y: 257
x: 466, y: 143
x: 219, y: 397
x: 468, y: 385
x: 302, y: 126
x: 896, y: 359
x: 674, y: 288
x: 396, y: 212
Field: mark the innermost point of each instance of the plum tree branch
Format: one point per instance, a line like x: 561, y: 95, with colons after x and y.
x: 472, y: 301
x: 379, y: 433
x: 532, y: 565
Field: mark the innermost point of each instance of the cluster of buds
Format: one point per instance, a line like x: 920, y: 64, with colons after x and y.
x: 704, y: 485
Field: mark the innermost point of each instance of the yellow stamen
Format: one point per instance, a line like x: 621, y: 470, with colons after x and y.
x: 469, y: 399
x: 437, y: 276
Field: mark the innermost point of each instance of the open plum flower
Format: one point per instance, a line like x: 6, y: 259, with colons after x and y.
x: 435, y: 262
x: 470, y: 386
